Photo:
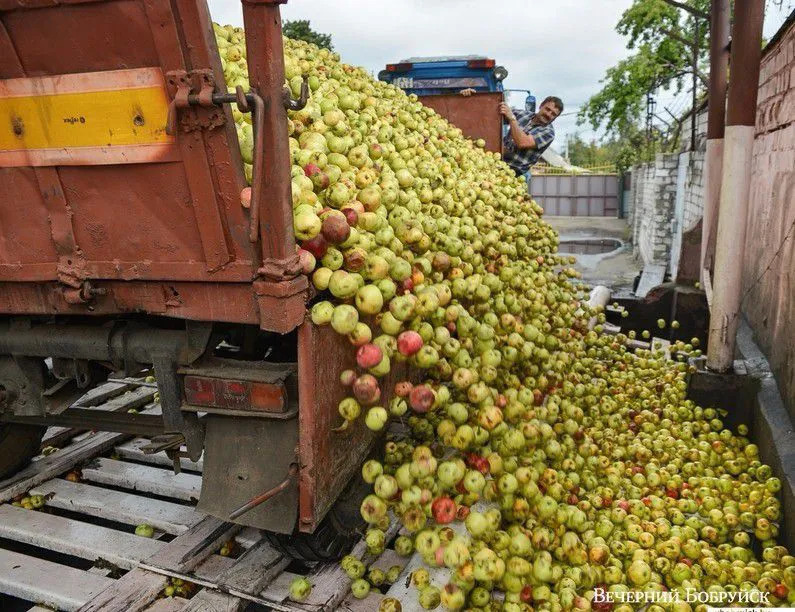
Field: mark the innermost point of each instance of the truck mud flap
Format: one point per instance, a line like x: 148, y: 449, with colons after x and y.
x: 244, y: 457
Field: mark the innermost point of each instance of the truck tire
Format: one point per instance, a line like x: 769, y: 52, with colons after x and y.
x: 337, y: 532
x: 18, y: 444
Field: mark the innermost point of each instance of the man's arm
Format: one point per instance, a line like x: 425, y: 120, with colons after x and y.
x: 522, y: 139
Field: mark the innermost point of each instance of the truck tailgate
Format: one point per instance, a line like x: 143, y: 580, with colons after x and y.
x: 92, y: 187
x: 478, y: 115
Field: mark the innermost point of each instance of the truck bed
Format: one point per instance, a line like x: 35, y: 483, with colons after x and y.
x: 102, y: 211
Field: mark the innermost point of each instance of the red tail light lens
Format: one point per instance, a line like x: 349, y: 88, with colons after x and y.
x: 399, y: 67
x: 234, y: 394
x: 481, y: 63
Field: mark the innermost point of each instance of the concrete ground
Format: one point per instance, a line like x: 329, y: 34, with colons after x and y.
x: 616, y: 269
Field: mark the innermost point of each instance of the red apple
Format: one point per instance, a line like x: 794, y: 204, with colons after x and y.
x: 366, y: 389
x: 317, y: 246
x: 369, y: 355
x: 351, y: 215
x: 335, y: 228
x: 421, y: 398
x: 443, y: 510
x: 409, y: 342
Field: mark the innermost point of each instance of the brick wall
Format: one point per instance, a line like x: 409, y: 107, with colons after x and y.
x: 694, y: 181
x: 652, y: 205
x: 769, y: 258
x: 653, y: 194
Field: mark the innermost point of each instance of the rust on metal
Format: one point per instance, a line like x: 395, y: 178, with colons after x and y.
x: 282, y: 305
x: 258, y: 171
x: 266, y: 75
x: 476, y: 115
x: 718, y: 67
x: 328, y: 459
x: 746, y: 54
x: 205, y: 301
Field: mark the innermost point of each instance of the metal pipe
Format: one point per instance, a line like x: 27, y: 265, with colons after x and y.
x: 716, y: 122
x: 263, y: 497
x: 694, y: 101
x: 746, y: 52
x: 265, y: 57
x: 599, y: 297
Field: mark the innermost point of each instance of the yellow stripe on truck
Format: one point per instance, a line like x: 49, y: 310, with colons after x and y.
x: 92, y: 118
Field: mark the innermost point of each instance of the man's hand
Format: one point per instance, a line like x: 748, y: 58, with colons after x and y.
x: 506, y: 111
x: 467, y: 92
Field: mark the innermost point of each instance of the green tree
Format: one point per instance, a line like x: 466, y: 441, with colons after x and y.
x: 299, y: 29
x: 660, y: 34
x: 621, y: 150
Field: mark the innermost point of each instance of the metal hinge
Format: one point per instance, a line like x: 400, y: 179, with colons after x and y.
x: 199, y: 85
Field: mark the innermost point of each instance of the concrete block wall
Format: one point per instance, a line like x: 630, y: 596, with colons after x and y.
x: 653, y: 193
x: 694, y: 180
x: 652, y: 204
x: 694, y: 190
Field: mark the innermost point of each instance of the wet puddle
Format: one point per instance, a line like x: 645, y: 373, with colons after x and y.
x: 589, y: 246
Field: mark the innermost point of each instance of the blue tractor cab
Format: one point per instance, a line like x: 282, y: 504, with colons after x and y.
x: 429, y: 76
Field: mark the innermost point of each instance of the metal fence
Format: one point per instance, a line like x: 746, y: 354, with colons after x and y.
x: 580, y: 195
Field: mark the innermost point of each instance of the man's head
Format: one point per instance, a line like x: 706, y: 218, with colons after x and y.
x: 549, y: 110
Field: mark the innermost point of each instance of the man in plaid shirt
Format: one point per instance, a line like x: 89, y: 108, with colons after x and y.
x: 530, y: 133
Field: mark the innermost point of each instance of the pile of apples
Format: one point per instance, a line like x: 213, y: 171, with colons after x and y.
x: 569, y: 461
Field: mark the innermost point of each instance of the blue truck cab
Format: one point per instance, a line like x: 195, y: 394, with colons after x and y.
x: 428, y: 76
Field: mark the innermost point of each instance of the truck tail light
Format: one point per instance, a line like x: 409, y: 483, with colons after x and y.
x: 234, y: 394
x: 481, y: 63
x: 399, y: 67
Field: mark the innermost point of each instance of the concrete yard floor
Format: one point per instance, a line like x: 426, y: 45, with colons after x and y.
x: 615, y: 269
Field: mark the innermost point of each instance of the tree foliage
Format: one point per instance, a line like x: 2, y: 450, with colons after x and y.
x: 299, y: 29
x: 658, y: 34
x: 621, y: 150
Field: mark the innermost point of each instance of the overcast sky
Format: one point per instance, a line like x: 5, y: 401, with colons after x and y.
x: 551, y: 48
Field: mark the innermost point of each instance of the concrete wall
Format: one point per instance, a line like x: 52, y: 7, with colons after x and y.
x: 652, y: 204
x: 694, y: 181
x: 769, y: 258
x: 653, y: 194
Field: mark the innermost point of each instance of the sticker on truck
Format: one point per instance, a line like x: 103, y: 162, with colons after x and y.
x: 97, y: 118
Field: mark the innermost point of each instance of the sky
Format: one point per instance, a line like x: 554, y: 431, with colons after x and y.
x: 560, y: 48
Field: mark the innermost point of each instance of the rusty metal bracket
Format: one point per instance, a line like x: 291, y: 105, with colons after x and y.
x: 279, y: 270
x: 294, y: 104
x: 203, y: 81
x: 282, y: 305
x: 84, y: 293
x: 194, y: 88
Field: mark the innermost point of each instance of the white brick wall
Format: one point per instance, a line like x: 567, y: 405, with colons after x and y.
x: 650, y: 209
x: 652, y: 204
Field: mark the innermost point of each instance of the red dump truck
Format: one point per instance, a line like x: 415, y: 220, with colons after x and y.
x: 127, y: 242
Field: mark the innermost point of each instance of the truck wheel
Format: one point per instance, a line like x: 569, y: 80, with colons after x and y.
x: 18, y: 444
x: 337, y: 532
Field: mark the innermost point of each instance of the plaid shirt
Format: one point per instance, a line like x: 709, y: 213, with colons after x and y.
x: 521, y: 159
